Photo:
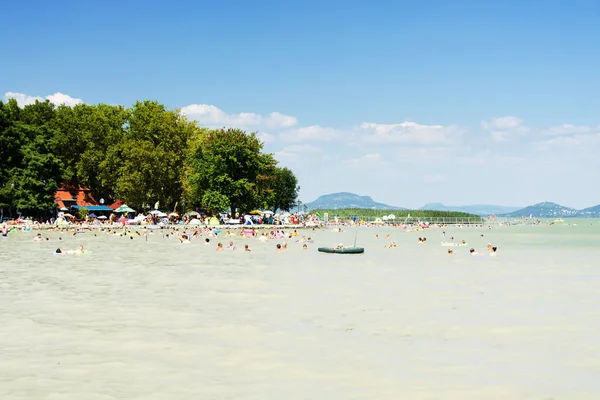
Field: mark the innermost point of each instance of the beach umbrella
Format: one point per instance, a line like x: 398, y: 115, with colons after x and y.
x: 123, y: 220
x: 391, y: 216
x: 156, y: 212
x: 102, y: 217
x: 195, y: 221
x: 194, y: 214
x: 63, y: 209
x: 92, y: 215
x: 255, y: 212
x: 124, y: 209
x: 268, y: 212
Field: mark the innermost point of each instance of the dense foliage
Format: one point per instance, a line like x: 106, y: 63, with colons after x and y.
x: 143, y: 155
x: 400, y: 215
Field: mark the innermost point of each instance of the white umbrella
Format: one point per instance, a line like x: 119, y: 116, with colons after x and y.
x: 268, y: 212
x: 156, y: 212
x: 195, y: 221
x: 102, y: 217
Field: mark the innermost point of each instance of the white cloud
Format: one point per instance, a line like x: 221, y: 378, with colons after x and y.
x: 266, y: 137
x: 501, y: 136
x: 568, y: 129
x: 56, y: 98
x: 591, y: 141
x: 503, y: 123
x: 278, y: 120
x: 478, y: 159
x: 408, y: 132
x: 505, y: 128
x: 435, y: 178
x: 311, y: 133
x: 366, y: 160
x: 60, y: 98
x: 207, y: 114
x: 296, y: 150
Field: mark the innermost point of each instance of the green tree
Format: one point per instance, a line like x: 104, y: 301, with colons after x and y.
x: 283, y: 189
x: 150, y: 162
x: 85, y: 136
x: 11, y: 140
x: 33, y: 171
x: 83, y: 212
x: 226, y: 164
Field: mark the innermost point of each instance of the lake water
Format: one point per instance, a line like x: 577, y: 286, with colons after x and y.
x: 157, y: 319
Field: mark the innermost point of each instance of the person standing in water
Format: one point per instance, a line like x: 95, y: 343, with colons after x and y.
x: 4, y: 230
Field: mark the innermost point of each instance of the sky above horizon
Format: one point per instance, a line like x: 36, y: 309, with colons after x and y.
x: 466, y: 102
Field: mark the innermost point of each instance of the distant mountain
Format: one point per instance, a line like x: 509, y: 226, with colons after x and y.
x: 590, y: 212
x: 478, y: 209
x: 347, y: 200
x: 545, y: 210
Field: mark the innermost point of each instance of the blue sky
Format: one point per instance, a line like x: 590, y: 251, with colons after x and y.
x: 409, y: 102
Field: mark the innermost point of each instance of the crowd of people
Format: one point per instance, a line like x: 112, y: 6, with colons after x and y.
x: 210, y: 234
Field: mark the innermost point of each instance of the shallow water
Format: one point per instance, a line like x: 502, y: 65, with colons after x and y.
x: 156, y: 319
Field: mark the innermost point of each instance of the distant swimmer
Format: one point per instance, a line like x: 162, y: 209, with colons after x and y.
x: 219, y: 246
x: 67, y: 252
x: 473, y: 252
x: 278, y: 248
x: 450, y: 251
x: 4, y: 230
x: 38, y: 238
x: 246, y: 248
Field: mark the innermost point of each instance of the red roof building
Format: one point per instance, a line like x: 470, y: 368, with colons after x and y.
x: 117, y: 204
x: 66, y: 199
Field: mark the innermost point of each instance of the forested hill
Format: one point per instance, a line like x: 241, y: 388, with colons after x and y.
x: 348, y: 200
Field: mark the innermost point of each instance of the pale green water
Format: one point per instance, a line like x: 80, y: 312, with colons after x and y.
x: 161, y: 320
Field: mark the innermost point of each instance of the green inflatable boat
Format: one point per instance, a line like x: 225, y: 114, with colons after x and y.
x: 342, y: 250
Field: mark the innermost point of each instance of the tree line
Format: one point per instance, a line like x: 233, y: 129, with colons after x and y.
x: 400, y: 215
x: 141, y: 154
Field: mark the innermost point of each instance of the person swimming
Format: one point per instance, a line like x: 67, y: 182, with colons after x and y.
x: 78, y: 251
x: 247, y: 248
x: 219, y: 246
